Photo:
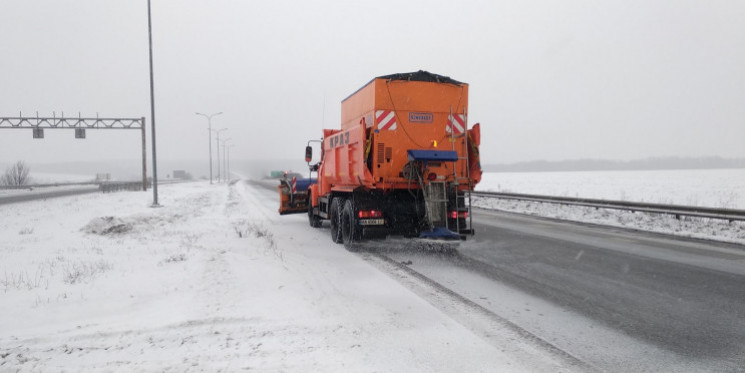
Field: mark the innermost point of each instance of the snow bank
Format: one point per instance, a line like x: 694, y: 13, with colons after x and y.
x: 107, y: 225
x: 703, y: 228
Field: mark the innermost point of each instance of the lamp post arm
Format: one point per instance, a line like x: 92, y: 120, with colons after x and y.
x: 209, y: 131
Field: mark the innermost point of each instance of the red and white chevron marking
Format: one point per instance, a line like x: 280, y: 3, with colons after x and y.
x: 294, y: 185
x: 456, y: 124
x: 386, y: 119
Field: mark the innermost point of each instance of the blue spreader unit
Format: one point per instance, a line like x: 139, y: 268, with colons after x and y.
x: 303, y: 184
x: 440, y: 232
x: 433, y: 155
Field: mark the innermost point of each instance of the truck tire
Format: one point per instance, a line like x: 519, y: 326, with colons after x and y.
x: 313, y: 219
x: 350, y: 232
x: 335, y: 219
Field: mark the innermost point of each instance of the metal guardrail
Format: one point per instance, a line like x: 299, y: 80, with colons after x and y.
x: 115, y: 186
x: 677, y: 211
x: 103, y: 186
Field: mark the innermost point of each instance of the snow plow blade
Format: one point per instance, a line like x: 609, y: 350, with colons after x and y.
x: 289, y: 202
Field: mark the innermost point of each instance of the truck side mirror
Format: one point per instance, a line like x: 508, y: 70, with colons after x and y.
x: 308, y: 154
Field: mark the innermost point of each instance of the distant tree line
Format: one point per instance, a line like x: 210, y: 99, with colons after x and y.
x: 668, y: 163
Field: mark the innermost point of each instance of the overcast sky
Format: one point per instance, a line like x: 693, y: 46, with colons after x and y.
x: 549, y: 80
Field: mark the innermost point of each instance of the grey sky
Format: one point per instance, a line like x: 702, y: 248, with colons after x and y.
x: 548, y: 79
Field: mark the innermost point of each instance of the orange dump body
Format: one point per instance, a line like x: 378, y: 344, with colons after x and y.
x: 385, y: 119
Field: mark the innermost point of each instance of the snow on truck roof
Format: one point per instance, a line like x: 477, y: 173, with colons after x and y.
x: 421, y: 76
x: 417, y: 76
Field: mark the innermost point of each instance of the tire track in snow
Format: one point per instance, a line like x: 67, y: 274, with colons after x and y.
x: 495, y: 329
x: 251, y: 199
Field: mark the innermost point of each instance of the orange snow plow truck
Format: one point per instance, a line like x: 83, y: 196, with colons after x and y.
x: 403, y: 163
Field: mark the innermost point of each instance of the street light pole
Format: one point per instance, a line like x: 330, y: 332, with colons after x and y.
x: 218, y: 151
x: 225, y: 159
x: 228, y: 163
x: 209, y: 129
x: 152, y: 107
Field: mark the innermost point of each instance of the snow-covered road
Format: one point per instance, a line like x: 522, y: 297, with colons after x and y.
x: 214, y: 280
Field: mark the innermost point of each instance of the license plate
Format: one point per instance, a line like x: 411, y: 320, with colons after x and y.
x: 372, y: 221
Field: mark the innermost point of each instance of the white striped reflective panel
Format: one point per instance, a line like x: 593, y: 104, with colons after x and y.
x: 386, y: 119
x: 456, y: 124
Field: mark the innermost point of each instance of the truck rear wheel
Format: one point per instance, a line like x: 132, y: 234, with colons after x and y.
x: 313, y: 219
x: 335, y: 219
x: 349, y: 230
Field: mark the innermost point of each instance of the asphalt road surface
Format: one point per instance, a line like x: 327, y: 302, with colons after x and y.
x: 619, y: 300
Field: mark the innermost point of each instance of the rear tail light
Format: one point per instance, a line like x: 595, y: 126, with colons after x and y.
x: 432, y: 176
x: 458, y: 215
x: 366, y: 214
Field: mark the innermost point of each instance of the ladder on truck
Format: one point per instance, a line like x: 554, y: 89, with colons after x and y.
x: 467, y: 172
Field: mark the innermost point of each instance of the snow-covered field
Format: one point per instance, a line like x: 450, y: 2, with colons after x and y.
x: 711, y: 188
x: 213, y: 280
